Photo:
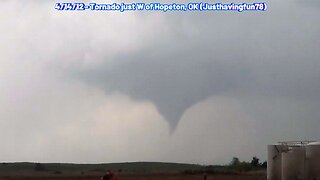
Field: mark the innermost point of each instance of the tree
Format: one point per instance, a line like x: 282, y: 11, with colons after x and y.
x: 255, y: 162
x: 244, y: 166
x: 39, y: 167
x: 264, y: 164
x: 235, y: 162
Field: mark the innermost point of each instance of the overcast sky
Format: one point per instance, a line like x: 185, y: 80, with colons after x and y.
x: 89, y: 87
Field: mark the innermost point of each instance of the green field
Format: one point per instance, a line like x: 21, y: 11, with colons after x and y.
x: 127, y: 171
x: 133, y: 167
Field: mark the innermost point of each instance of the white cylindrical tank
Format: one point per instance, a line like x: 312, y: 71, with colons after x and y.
x: 313, y: 158
x: 293, y: 164
x: 274, y: 162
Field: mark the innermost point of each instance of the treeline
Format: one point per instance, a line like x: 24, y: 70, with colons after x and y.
x: 254, y: 164
x: 234, y: 167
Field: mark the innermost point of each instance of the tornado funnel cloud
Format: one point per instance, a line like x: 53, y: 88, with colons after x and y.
x: 172, y: 86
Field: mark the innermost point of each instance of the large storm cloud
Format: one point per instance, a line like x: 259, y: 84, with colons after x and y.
x: 107, y: 87
x: 198, y: 56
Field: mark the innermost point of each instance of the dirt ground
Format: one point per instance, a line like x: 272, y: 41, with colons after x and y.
x: 142, y: 177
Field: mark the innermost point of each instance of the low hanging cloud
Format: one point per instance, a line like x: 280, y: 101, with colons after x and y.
x: 267, y: 54
x: 173, y: 86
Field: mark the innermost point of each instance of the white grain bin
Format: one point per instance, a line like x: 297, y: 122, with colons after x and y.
x: 274, y: 161
x: 293, y: 163
x: 313, y: 157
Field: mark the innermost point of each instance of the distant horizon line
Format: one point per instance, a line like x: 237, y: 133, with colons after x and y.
x: 123, y: 162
